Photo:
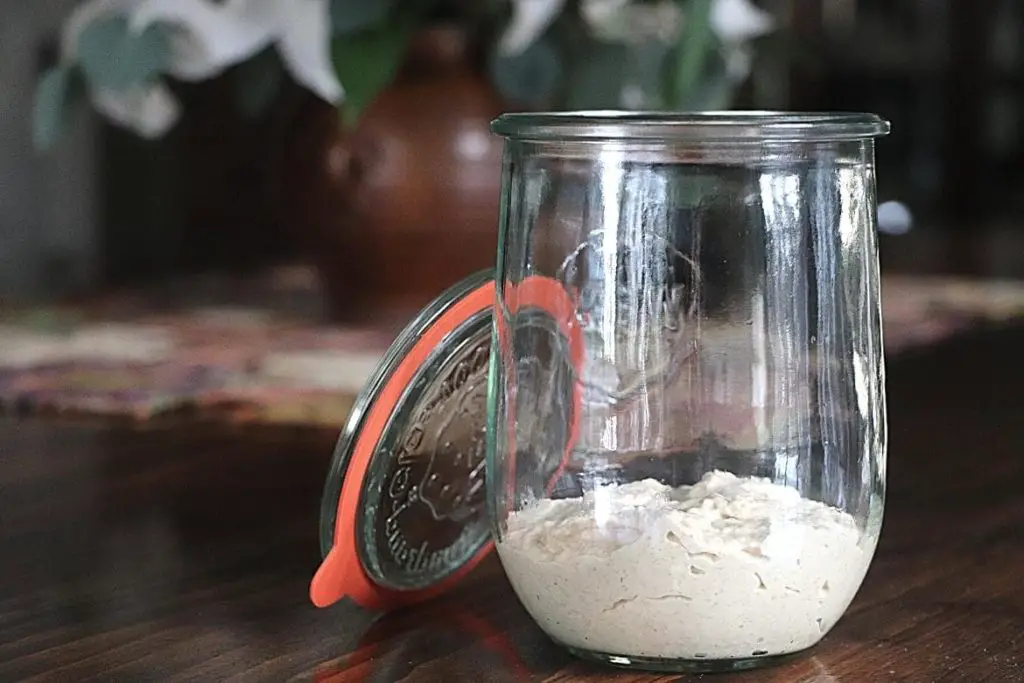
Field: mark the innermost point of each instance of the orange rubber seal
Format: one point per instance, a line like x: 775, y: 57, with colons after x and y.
x: 341, y: 573
x: 548, y: 295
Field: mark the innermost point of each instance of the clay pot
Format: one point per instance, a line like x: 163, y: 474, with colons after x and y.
x: 407, y: 203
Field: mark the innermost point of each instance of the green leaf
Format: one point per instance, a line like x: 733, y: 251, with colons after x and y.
x: 714, y: 94
x: 56, y: 91
x: 716, y: 89
x: 366, y: 63
x: 352, y: 16
x: 695, y: 44
x: 530, y: 78
x: 114, y: 57
x: 257, y: 81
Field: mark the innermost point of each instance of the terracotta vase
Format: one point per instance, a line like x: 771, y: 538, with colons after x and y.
x: 406, y: 204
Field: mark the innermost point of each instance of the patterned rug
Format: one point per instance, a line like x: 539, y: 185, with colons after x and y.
x: 256, y: 350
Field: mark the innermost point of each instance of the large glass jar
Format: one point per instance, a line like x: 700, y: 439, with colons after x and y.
x: 687, y: 439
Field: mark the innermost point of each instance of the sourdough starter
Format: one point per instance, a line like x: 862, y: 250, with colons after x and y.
x: 729, y: 568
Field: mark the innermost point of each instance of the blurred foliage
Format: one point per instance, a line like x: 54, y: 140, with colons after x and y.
x: 627, y: 64
x: 579, y: 54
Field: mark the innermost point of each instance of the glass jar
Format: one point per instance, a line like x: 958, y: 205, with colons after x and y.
x: 687, y: 434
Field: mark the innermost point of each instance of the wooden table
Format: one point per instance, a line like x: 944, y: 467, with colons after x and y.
x: 183, y: 552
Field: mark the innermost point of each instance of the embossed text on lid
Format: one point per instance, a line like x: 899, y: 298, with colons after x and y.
x: 423, y: 512
x: 390, y: 533
x: 403, y: 515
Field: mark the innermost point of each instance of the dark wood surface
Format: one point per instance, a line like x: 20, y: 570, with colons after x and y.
x: 182, y: 552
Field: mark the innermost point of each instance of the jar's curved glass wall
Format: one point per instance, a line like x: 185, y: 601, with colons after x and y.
x: 687, y: 442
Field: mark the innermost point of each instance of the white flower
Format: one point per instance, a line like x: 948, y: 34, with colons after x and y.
x: 530, y: 18
x: 304, y: 44
x: 215, y: 35
x: 600, y: 12
x: 739, y: 60
x: 734, y: 22
x: 149, y: 110
x: 737, y: 21
x: 208, y: 37
x: 631, y: 22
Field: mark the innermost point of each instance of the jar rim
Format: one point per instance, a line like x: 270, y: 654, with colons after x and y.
x: 742, y: 127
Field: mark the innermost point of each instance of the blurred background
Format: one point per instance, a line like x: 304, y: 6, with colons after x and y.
x: 326, y: 164
x: 216, y: 215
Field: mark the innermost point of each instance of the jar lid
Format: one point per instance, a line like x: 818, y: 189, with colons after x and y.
x: 403, y: 515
